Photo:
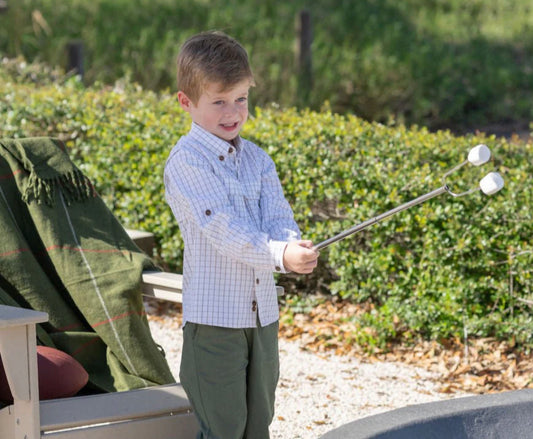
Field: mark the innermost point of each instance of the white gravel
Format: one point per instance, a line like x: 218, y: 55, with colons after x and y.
x: 317, y: 393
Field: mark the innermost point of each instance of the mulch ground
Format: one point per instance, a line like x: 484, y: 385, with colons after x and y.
x: 482, y: 366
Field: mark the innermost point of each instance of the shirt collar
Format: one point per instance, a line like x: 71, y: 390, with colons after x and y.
x: 214, y: 144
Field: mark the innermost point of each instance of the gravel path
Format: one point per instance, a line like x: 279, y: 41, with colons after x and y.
x: 317, y: 393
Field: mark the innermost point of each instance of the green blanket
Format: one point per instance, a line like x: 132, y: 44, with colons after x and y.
x: 63, y: 252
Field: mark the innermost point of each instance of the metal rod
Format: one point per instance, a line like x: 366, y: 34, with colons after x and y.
x: 381, y: 217
x: 459, y: 166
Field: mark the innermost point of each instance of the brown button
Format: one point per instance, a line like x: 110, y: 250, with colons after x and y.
x: 257, y: 281
x: 221, y: 158
x: 254, y: 306
x: 278, y: 268
x: 230, y: 150
x: 208, y: 212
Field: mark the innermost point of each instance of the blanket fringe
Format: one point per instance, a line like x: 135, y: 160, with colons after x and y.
x: 74, y: 186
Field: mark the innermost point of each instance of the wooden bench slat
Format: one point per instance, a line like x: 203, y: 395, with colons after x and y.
x: 58, y: 414
x: 162, y: 285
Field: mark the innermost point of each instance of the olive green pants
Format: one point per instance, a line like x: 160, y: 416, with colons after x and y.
x: 230, y: 376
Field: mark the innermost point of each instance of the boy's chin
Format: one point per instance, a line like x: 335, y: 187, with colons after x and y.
x: 228, y: 137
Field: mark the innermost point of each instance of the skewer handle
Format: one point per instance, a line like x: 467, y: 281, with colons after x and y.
x: 381, y: 217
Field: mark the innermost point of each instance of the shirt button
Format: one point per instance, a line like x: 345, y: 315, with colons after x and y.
x: 221, y: 158
x: 257, y: 281
x: 254, y: 306
x: 278, y: 268
x: 230, y: 150
x: 208, y: 212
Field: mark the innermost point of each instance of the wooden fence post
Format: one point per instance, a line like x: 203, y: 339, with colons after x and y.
x: 304, y: 56
x: 75, y: 57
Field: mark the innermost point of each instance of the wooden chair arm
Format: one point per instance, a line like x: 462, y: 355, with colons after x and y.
x: 17, y: 347
x: 19, y: 357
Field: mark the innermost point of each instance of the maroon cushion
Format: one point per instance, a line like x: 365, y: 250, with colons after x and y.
x: 60, y: 375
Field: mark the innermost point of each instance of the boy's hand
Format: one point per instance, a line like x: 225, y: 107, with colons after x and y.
x: 300, y: 257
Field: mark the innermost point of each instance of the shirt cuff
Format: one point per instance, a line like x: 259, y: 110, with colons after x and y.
x: 277, y: 249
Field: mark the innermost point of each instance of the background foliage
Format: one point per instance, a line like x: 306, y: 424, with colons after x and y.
x: 435, y: 270
x: 437, y: 63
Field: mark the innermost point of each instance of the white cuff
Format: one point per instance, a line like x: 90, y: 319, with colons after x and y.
x: 277, y: 249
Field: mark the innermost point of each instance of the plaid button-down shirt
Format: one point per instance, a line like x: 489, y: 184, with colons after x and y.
x: 235, y: 223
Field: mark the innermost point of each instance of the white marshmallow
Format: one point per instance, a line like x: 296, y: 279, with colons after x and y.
x: 491, y: 183
x: 479, y: 155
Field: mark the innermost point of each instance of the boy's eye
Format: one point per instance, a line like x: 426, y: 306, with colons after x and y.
x: 218, y: 102
x: 243, y: 99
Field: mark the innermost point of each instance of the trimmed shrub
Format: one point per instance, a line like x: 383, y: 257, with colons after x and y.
x: 432, y: 271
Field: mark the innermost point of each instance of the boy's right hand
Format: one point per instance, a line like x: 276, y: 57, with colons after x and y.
x: 300, y: 257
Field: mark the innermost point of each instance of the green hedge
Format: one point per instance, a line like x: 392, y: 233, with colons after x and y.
x: 427, y: 271
x: 436, y: 63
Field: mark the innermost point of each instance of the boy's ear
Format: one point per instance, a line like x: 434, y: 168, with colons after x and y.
x: 184, y: 101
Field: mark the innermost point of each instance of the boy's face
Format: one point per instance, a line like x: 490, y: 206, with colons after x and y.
x: 222, y: 113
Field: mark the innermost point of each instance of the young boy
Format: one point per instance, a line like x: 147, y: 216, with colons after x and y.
x: 238, y: 229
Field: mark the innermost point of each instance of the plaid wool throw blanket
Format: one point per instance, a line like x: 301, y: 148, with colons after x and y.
x: 63, y: 252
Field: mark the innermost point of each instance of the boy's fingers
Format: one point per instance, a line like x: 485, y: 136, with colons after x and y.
x: 309, y: 265
x: 306, y: 243
x: 309, y: 245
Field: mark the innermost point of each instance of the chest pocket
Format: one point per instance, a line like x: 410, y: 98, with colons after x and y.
x: 244, y: 196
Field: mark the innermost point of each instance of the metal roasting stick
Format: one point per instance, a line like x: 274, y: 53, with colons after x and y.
x: 381, y: 217
x: 489, y: 185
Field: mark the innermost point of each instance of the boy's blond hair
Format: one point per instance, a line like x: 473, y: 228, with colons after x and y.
x: 211, y: 57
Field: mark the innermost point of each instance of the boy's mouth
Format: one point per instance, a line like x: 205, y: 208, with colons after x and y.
x: 229, y: 126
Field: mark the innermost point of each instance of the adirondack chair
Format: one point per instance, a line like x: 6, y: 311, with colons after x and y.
x: 153, y: 412
x: 51, y: 210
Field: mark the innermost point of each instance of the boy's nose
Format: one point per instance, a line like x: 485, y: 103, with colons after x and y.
x: 231, y: 109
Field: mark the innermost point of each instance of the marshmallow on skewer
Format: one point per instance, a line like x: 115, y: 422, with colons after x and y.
x: 491, y: 183
x: 479, y: 155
